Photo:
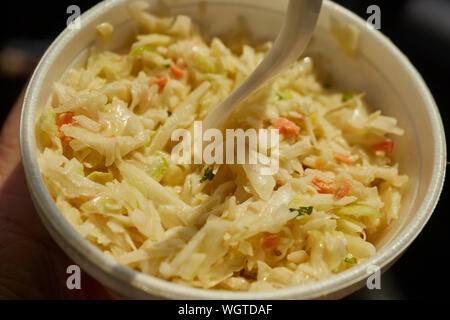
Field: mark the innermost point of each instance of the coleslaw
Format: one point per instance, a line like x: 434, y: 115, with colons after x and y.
x: 104, y: 153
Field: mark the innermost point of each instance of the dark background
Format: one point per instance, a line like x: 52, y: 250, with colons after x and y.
x: 420, y: 28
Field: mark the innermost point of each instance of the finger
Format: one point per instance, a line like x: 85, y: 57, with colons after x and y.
x: 9, y: 140
x: 9, y: 135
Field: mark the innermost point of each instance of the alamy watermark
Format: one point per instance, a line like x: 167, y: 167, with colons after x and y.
x: 74, y: 279
x: 374, y: 19
x: 74, y: 20
x: 373, y: 282
x: 239, y: 147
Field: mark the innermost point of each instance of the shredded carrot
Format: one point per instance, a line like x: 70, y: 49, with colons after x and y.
x: 162, y: 82
x: 66, y: 118
x: 343, y: 190
x: 386, y: 146
x: 342, y: 158
x: 270, y: 243
x: 286, y: 127
x: 320, y: 163
x: 277, y: 180
x: 322, y: 186
x: 122, y: 58
x: 65, y: 139
x: 177, y: 72
x: 111, y: 136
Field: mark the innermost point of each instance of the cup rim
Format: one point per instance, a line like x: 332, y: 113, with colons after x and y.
x: 136, y: 284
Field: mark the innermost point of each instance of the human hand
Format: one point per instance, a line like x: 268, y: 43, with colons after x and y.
x: 32, y: 266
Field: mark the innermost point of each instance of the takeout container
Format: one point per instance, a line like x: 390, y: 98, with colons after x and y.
x: 380, y: 70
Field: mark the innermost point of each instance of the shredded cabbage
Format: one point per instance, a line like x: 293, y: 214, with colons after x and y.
x: 101, y: 177
x: 359, y: 211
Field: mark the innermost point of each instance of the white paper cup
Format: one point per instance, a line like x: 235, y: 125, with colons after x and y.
x: 392, y: 84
